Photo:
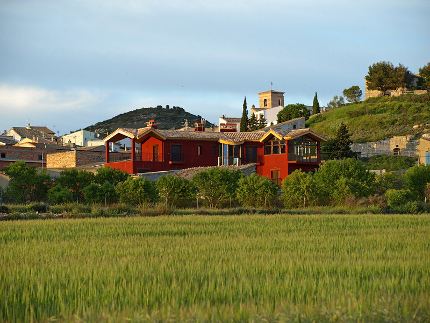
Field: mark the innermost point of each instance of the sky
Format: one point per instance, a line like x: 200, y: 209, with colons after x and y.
x: 69, y: 64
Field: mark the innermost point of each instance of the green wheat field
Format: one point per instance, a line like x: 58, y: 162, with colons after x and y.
x: 217, y: 268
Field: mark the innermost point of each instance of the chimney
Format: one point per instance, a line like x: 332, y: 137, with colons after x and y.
x: 152, y: 124
x: 200, y: 125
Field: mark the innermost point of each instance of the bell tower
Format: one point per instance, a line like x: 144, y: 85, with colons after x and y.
x: 271, y: 99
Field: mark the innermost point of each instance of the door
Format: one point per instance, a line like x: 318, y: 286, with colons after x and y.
x: 155, y: 153
x: 275, y: 176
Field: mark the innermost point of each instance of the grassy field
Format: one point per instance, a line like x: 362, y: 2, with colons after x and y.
x: 217, y: 268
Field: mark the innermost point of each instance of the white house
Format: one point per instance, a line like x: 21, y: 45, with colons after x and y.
x: 82, y: 138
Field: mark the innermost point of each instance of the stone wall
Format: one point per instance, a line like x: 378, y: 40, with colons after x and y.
x: 401, y: 145
x: 73, y: 158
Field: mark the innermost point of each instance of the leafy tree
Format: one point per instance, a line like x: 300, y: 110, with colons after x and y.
x: 217, y: 185
x: 252, y: 123
x: 339, y: 146
x: 389, y: 162
x: 92, y: 193
x: 292, y: 111
x: 383, y: 76
x: 416, y: 179
x: 60, y: 195
x: 338, y: 179
x: 256, y: 191
x: 26, y: 183
x: 316, y: 105
x: 299, y: 190
x: 175, y: 190
x: 398, y: 198
x: 244, y: 120
x: 262, y: 123
x: 353, y: 94
x: 336, y: 102
x: 111, y: 175
x: 425, y: 73
x: 137, y: 191
x: 75, y: 180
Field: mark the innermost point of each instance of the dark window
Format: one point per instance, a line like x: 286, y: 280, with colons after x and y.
x: 265, y: 102
x: 251, y: 154
x: 294, y: 126
x: 3, y: 155
x: 176, y: 153
x: 213, y: 150
x: 199, y: 150
x: 303, y: 149
x: 274, y: 146
x: 40, y: 157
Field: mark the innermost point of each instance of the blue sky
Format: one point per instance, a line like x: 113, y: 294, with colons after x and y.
x: 71, y: 63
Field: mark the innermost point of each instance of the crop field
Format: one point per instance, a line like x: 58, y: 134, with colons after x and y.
x: 217, y: 268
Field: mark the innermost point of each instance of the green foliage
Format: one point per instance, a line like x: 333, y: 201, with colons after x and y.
x: 339, y: 146
x: 389, y: 162
x: 398, y: 198
x: 60, y: 195
x: 293, y: 111
x: 316, y: 105
x: 416, y: 179
x: 175, y: 191
x: 353, y: 94
x: 217, y: 185
x: 137, y: 191
x: 338, y: 179
x: 26, y: 183
x: 256, y: 191
x: 383, y: 76
x: 92, y: 193
x: 75, y: 180
x: 425, y: 73
x: 336, y: 102
x: 262, y: 123
x: 252, y: 122
x: 244, y: 120
x: 388, y: 181
x: 111, y: 175
x: 299, y: 190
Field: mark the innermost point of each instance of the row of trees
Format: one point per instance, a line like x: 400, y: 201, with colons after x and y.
x: 252, y: 123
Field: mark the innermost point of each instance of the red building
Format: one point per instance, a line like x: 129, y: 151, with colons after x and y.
x: 277, y: 150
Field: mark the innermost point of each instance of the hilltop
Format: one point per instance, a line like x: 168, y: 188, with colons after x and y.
x: 377, y: 118
x: 167, y: 118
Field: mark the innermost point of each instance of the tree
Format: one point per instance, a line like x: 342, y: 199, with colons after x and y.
x: 175, y: 190
x: 339, y: 146
x: 383, y: 76
x: 26, y: 183
x: 111, y: 175
x: 137, y: 191
x: 299, y: 189
x: 60, y: 195
x: 244, y: 120
x: 252, y: 123
x: 416, y: 179
x: 353, y: 94
x: 316, y: 105
x: 292, y: 111
x: 75, y: 180
x: 425, y: 73
x: 217, y: 185
x: 256, y: 191
x: 261, y: 123
x: 336, y: 102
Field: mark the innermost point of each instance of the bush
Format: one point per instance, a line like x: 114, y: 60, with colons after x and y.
x: 299, y: 190
x: 137, y: 191
x: 4, y: 209
x: 175, y: 191
x: 37, y: 207
x: 256, y: 191
x: 60, y: 195
x: 398, y: 198
x: 416, y: 179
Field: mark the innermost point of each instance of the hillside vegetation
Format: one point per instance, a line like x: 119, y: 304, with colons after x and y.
x: 167, y: 118
x: 376, y: 118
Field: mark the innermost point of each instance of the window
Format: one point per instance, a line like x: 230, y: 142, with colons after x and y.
x: 199, y: 150
x: 213, y: 150
x: 294, y: 126
x: 274, y: 146
x: 3, y: 155
x: 40, y: 157
x: 265, y: 102
x: 176, y: 153
x: 280, y: 102
x: 303, y: 149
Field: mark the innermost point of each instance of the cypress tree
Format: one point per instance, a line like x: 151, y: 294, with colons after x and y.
x: 244, y: 120
x: 316, y: 106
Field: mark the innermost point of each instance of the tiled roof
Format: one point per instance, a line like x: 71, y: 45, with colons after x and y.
x: 7, y: 140
x: 241, y: 136
x: 43, y: 129
x: 232, y: 119
x: 279, y: 124
x: 30, y: 133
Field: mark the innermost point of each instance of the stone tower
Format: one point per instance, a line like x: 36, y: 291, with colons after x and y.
x: 271, y: 99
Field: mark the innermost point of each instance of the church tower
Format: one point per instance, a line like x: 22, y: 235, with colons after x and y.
x: 271, y: 99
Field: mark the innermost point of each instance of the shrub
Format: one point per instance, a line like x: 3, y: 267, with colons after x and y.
x: 60, y: 195
x: 136, y: 191
x: 397, y: 198
x: 37, y: 207
x: 256, y: 191
x: 217, y: 185
x: 75, y: 180
x: 299, y: 189
x: 111, y: 175
x: 4, y: 209
x: 175, y: 191
x: 416, y: 179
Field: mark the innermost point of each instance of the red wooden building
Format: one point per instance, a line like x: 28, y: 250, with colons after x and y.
x: 277, y: 150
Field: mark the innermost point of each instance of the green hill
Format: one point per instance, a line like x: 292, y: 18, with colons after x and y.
x: 377, y: 118
x: 167, y: 118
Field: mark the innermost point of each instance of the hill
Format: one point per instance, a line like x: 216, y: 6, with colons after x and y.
x: 167, y: 118
x: 377, y: 118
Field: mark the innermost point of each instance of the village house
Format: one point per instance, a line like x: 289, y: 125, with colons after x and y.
x: 277, y: 150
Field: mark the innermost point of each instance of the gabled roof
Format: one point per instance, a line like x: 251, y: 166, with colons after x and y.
x: 25, y: 132
x: 278, y: 125
x: 293, y: 134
